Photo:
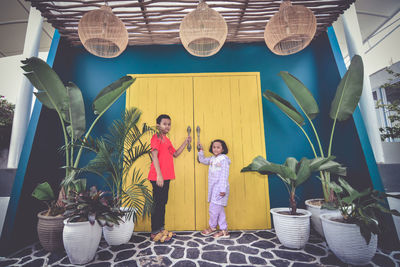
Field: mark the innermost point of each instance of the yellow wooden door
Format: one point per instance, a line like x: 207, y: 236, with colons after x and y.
x: 155, y: 95
x: 225, y: 106
x: 228, y: 107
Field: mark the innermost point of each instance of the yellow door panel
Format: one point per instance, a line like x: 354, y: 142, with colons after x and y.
x: 225, y: 106
x: 173, y: 96
x: 229, y: 108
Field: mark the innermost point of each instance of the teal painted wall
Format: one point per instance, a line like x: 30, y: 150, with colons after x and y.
x: 315, y: 66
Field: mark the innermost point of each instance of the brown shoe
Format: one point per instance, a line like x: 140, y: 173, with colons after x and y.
x: 209, y: 231
x: 222, y: 234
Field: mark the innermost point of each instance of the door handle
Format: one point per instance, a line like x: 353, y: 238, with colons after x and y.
x: 189, y: 146
x: 198, y: 137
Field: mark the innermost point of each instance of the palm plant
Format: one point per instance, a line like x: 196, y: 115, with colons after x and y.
x: 293, y: 173
x: 347, y: 96
x: 116, y: 154
x: 67, y: 101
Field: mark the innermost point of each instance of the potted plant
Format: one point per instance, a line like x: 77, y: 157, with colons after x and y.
x: 115, y: 157
x: 352, y: 235
x: 292, y: 225
x: 68, y: 102
x: 50, y: 221
x: 347, y: 96
x: 86, y: 213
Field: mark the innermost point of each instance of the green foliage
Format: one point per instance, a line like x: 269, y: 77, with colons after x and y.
x: 92, y: 205
x: 44, y: 192
x: 68, y: 102
x: 393, y: 108
x: 6, y: 119
x: 362, y: 208
x: 6, y: 112
x: 347, y: 96
x: 115, y: 157
x: 293, y: 173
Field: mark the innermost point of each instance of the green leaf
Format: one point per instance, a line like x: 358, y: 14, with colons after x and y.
x: 304, y: 171
x: 349, y: 91
x: 301, y: 94
x: 291, y: 163
x: 335, y: 187
x: 111, y: 93
x: 43, y: 192
x: 262, y: 166
x: 46, y: 80
x: 44, y: 99
x: 316, y: 163
x: 76, y: 110
x: 285, y: 106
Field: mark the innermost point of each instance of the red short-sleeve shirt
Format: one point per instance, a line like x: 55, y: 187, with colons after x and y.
x: 165, y: 158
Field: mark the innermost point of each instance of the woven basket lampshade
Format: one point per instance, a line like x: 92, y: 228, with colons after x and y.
x: 203, y: 31
x: 290, y: 30
x: 102, y: 33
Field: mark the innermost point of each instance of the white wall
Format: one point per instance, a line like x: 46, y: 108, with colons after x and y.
x: 11, y: 75
x: 377, y: 57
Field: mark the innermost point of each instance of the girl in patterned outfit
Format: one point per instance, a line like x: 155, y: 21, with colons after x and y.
x: 218, y: 187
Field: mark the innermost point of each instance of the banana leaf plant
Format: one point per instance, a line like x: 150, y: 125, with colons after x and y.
x: 347, y: 96
x: 293, y: 173
x: 115, y: 156
x: 362, y: 208
x: 45, y: 193
x: 68, y: 102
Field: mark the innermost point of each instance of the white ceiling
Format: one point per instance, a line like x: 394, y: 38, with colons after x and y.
x: 372, y: 14
x: 13, y: 23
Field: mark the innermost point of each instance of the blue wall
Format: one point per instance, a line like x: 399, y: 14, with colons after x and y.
x: 315, y: 66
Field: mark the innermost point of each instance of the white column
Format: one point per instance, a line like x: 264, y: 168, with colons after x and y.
x: 367, y: 105
x: 24, y: 101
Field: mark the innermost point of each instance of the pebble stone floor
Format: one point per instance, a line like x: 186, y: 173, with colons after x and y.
x: 243, y: 248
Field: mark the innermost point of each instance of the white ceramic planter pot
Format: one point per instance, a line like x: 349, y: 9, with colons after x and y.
x: 292, y: 231
x: 394, y: 203
x: 119, y: 234
x: 81, y: 240
x: 316, y: 211
x: 346, y: 241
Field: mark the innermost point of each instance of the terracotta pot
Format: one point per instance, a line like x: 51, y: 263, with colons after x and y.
x: 50, y: 229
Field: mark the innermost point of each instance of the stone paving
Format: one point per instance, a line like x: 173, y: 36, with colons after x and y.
x: 243, y: 248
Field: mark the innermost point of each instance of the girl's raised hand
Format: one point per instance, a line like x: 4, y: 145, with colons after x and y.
x: 200, y: 146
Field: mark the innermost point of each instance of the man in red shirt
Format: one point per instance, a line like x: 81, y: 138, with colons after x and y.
x: 161, y: 172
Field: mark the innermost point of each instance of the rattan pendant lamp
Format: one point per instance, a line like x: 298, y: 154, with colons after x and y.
x: 102, y: 33
x: 290, y: 30
x: 203, y: 31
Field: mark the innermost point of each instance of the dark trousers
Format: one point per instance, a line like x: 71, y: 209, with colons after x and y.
x: 160, y: 199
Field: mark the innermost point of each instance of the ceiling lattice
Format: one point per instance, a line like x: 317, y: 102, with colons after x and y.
x: 157, y: 21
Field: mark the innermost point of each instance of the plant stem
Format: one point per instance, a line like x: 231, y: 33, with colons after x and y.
x: 78, y: 157
x: 293, y: 206
x: 67, y: 161
x: 309, y: 141
x: 331, y: 139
